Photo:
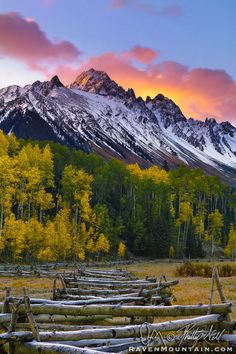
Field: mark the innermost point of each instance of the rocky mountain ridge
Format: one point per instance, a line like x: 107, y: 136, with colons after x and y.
x: 95, y: 113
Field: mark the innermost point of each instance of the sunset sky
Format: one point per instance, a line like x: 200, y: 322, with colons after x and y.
x: 184, y: 49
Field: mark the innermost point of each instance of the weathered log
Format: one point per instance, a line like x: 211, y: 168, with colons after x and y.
x: 48, y: 348
x: 95, y: 300
x: 45, y: 318
x: 228, y: 325
x: 121, y: 348
x: 12, y: 326
x: 125, y: 321
x: 97, y: 284
x: 97, y: 342
x: 30, y: 317
x: 59, y: 327
x: 108, y: 271
x: 5, y: 317
x: 129, y: 331
x: 95, y: 319
x: 229, y: 338
x: 16, y: 336
x: 70, y: 297
x: 108, y: 292
x: 115, y: 276
x: 122, y: 310
x: 110, y: 281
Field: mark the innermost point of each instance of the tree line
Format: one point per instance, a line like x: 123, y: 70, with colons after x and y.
x: 58, y: 203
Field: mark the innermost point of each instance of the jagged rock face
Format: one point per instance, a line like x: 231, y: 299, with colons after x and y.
x: 95, y: 113
x: 99, y: 82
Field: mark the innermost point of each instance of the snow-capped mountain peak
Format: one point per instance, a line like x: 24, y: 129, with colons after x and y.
x: 99, y: 82
x: 95, y: 113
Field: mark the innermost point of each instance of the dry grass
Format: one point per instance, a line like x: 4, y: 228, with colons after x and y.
x: 190, y: 290
x: 37, y: 287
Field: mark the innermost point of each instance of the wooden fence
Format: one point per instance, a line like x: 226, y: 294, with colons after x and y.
x: 115, y: 313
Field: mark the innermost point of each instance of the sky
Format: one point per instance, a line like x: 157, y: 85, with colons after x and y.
x: 184, y: 49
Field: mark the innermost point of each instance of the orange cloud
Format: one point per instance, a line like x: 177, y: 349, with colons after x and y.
x: 23, y: 39
x: 142, y: 54
x: 199, y: 92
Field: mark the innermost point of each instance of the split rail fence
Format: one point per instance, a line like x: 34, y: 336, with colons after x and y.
x: 98, y: 311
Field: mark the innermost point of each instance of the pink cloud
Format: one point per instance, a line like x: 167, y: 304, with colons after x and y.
x: 137, y: 5
x: 66, y: 73
x: 142, y: 7
x: 23, y: 39
x: 144, y: 55
x: 117, y: 4
x: 30, y: 19
x: 199, y: 92
x: 48, y: 3
x: 173, y: 10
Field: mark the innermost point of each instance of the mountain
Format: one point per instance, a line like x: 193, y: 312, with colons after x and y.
x: 94, y: 113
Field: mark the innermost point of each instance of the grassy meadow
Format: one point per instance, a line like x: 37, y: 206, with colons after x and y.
x: 190, y: 290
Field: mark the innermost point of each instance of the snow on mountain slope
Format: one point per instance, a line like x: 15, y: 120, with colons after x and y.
x: 94, y: 113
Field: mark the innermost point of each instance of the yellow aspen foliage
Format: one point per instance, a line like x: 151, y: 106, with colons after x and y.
x: 14, y: 145
x: 156, y: 174
x: 47, y: 250
x: 135, y: 170
x: 102, y: 244
x: 86, y: 211
x: 230, y: 249
x: 75, y: 183
x: 90, y: 247
x: 43, y: 200
x: 4, y: 143
x: 83, y: 234
x: 172, y: 209
x: 63, y: 241
x: 14, y: 237
x: 34, y: 236
x: 121, y: 249
x: 216, y: 223
x: 171, y: 252
x: 35, y: 171
x: 46, y: 254
x: 57, y: 240
x: 198, y: 222
x: 8, y: 180
x: 78, y: 192
x: 185, y: 212
x: 46, y: 167
x: 81, y: 252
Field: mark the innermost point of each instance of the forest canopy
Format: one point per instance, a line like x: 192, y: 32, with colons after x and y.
x: 58, y: 203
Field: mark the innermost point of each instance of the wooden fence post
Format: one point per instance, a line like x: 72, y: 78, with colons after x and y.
x: 30, y: 316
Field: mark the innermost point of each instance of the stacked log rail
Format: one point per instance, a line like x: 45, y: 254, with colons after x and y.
x: 116, y: 285
x: 47, y: 269
x: 116, y: 338
x: 50, y: 271
x: 100, y: 324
